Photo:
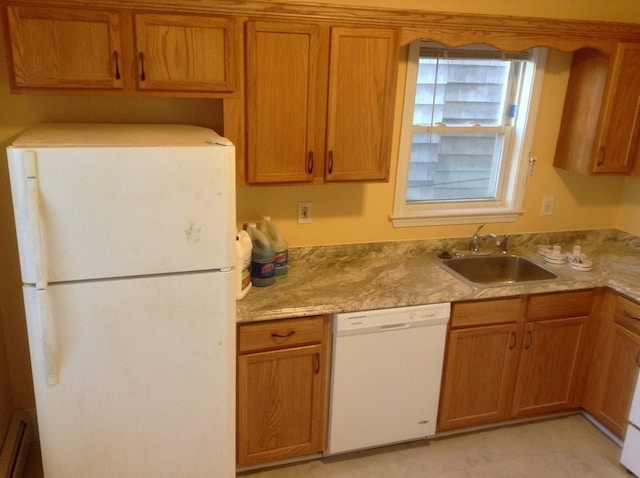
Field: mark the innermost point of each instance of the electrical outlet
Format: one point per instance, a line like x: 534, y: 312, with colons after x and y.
x: 547, y: 206
x: 304, y: 212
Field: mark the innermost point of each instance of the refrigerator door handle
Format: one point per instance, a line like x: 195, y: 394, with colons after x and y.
x: 33, y: 206
x: 48, y: 342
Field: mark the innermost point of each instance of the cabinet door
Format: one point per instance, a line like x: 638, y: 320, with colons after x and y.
x: 479, y: 376
x: 618, y: 146
x: 284, y: 132
x: 185, y: 53
x: 65, y: 48
x: 362, y: 79
x: 618, y: 378
x: 548, y: 366
x: 281, y: 404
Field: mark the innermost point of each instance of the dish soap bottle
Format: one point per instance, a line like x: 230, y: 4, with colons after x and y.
x: 279, y: 244
x: 263, y: 268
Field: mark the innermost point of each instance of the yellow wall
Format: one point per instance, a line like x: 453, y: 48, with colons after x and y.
x: 629, y: 212
x: 341, y: 213
x: 348, y: 213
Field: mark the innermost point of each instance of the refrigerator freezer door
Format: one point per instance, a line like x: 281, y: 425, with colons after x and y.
x: 146, y: 377
x: 124, y: 211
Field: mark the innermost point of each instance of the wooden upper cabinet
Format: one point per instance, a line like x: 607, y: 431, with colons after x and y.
x: 185, y: 53
x: 91, y: 49
x: 362, y: 85
x: 320, y: 102
x: 600, y: 122
x: 283, y: 118
x: 65, y: 48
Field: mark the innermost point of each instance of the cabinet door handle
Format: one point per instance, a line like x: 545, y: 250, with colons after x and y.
x: 601, y: 156
x: 310, y: 162
x: 143, y: 75
x: 116, y: 62
x: 630, y: 315
x: 638, y: 360
x: 316, y: 362
x: 529, y: 341
x: 514, y: 341
x: 282, y: 336
x: 330, y: 162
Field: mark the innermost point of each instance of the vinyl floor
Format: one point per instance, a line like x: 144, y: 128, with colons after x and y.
x: 565, y: 447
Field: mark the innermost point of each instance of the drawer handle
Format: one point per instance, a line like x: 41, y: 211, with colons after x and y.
x: 282, y: 336
x: 630, y: 316
x: 514, y: 341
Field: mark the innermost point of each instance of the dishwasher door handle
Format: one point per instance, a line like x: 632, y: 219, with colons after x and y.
x: 406, y: 325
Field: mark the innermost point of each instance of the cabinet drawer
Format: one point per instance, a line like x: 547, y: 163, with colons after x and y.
x: 484, y: 312
x: 276, y: 334
x: 560, y: 304
x: 627, y: 314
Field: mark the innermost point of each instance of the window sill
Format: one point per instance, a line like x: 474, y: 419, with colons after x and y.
x: 437, y: 218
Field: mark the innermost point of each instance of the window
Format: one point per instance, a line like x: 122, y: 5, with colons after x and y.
x: 466, y: 133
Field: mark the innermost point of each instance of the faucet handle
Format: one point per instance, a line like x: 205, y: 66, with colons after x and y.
x: 503, y: 244
x: 478, y: 230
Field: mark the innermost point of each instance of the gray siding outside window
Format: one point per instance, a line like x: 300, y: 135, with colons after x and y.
x: 457, y: 166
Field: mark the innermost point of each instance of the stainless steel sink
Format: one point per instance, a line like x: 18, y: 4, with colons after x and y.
x: 497, y: 270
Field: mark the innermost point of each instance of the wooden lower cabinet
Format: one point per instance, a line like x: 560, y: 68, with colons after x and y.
x: 616, y: 363
x: 479, y: 375
x: 282, y: 392
x: 514, y: 357
x: 548, y: 366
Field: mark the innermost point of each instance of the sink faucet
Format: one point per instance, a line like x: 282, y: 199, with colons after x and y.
x: 477, y: 240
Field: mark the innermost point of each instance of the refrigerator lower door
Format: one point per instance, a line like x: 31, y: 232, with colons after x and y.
x: 146, y: 370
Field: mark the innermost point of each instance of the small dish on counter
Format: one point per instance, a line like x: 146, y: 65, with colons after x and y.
x: 580, y: 262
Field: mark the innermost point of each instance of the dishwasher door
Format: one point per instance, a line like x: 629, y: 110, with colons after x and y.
x: 385, y: 378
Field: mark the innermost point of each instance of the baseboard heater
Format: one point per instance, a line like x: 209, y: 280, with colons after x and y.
x: 15, y: 448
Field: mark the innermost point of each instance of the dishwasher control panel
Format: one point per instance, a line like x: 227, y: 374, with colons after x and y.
x: 398, y: 317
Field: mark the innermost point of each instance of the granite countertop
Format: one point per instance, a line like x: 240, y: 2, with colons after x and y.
x: 330, y: 279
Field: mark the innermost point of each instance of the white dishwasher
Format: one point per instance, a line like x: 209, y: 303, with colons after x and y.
x: 385, y: 377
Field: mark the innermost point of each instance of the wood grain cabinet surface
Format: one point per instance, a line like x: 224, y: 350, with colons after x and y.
x: 481, y: 360
x: 616, y: 362
x: 63, y: 49
x: 282, y: 389
x: 600, y: 122
x: 319, y: 102
x: 514, y: 357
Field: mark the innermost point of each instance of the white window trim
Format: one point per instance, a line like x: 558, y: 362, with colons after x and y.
x: 419, y: 214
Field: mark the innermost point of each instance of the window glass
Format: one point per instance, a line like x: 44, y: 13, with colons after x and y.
x: 465, y: 122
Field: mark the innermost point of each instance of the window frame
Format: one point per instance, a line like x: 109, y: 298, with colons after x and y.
x: 505, y: 208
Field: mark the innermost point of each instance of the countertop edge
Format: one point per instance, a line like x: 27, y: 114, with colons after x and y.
x: 348, y: 278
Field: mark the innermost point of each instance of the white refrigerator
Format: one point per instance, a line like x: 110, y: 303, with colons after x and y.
x: 126, y: 235
x: 631, y: 450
